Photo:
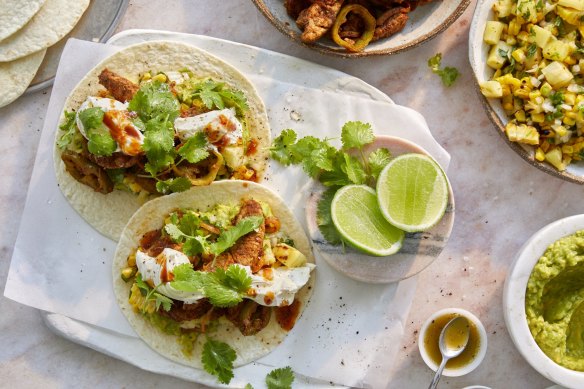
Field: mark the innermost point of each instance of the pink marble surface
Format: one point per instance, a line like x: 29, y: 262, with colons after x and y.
x: 500, y: 202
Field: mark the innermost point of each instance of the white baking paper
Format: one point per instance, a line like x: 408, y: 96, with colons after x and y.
x: 349, y: 333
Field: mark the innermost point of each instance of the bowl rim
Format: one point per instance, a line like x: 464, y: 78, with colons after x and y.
x: 475, y: 44
x: 482, y: 347
x: 514, y: 300
x: 340, y: 52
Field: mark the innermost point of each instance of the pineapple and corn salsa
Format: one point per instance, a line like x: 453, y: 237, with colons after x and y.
x: 537, y: 52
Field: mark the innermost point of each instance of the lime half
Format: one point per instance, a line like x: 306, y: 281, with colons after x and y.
x: 357, y: 217
x: 412, y: 191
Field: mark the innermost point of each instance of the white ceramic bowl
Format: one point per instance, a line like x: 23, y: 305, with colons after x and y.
x: 425, y: 22
x: 418, y: 250
x: 514, y: 301
x: 478, y: 53
x: 482, y: 347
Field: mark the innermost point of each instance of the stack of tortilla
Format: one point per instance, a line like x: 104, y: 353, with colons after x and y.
x: 27, y: 29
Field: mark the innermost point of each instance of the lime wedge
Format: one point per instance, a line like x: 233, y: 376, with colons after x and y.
x: 357, y: 217
x: 412, y: 191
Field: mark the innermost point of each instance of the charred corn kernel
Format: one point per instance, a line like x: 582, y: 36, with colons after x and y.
x: 569, y: 98
x: 508, y: 79
x: 561, y: 130
x: 522, y: 92
x: 545, y: 89
x: 523, y: 36
x: 539, y: 154
x: 511, y: 41
x: 506, y: 91
x: 497, y: 74
x: 160, y: 77
x: 131, y: 260
x: 514, y: 27
x: 577, y: 147
x: 545, y: 146
x: 567, y: 149
x: 567, y: 160
x: 146, y: 76
x: 507, y: 100
x: 520, y: 115
x: 184, y: 107
x: 570, y: 60
x: 568, y: 121
x: 534, y: 94
x: 538, y: 117
x: 518, y: 55
x: 128, y: 273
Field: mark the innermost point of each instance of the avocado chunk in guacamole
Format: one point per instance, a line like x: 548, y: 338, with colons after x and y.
x: 554, y: 301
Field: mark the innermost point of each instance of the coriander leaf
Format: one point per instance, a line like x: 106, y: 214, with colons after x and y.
x: 228, y: 237
x: 377, y: 161
x: 100, y: 141
x: 195, y: 245
x: 248, y: 386
x: 173, y: 185
x: 531, y: 50
x: 449, y: 75
x: 324, y: 218
x: 69, y: 128
x: 188, y: 280
x: 234, y: 97
x: 303, y: 148
x: 354, y: 170
x: 279, y: 150
x: 195, y: 148
x: 218, y: 358
x: 162, y: 300
x: 91, y: 117
x: 280, y: 378
x: 175, y: 233
x: 189, y: 223
x: 356, y: 135
x: 434, y: 62
x: 159, y: 145
x: 236, y: 278
x: 144, y: 288
x: 154, y: 99
x: 323, y: 158
x: 219, y: 294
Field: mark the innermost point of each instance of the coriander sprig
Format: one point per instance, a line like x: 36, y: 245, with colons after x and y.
x: 448, y: 75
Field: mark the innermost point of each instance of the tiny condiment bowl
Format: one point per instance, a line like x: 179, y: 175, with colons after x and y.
x: 478, y: 334
x: 514, y: 301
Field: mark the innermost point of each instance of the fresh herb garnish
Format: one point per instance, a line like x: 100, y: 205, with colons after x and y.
x: 324, y: 218
x: 100, y: 141
x: 195, y: 148
x: 159, y: 144
x: 280, y: 378
x: 448, y: 74
x: 155, y: 100
x: 152, y: 295
x: 218, y: 358
x: 228, y: 237
x: 173, y: 185
x: 69, y: 128
x: 215, y: 94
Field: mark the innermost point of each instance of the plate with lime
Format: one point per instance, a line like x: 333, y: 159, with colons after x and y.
x: 380, y: 209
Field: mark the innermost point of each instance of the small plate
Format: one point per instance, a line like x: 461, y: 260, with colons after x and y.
x: 478, y: 53
x: 418, y: 250
x: 425, y: 22
x: 514, y: 301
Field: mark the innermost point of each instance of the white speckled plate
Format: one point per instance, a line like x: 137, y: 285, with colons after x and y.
x: 418, y: 250
x: 425, y: 22
x: 514, y: 301
x: 478, y: 53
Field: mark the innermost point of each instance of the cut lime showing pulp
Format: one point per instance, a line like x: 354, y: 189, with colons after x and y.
x: 357, y: 217
x: 412, y: 191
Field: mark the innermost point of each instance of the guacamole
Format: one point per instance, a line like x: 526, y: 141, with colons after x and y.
x: 554, y: 301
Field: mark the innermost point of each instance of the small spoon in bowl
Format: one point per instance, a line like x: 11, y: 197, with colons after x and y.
x: 452, y: 342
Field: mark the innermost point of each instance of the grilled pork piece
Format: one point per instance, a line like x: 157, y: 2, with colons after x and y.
x: 249, y: 317
x: 119, y: 87
x: 390, y: 22
x: 317, y: 19
x: 87, y: 172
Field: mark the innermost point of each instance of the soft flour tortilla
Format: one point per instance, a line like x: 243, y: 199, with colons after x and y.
x: 15, y: 76
x: 16, y: 13
x: 109, y: 213
x: 51, y: 23
x: 151, y: 217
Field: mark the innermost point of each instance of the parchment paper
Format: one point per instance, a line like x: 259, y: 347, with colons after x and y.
x: 350, y: 332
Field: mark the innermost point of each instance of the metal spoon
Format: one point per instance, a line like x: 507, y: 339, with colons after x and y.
x: 453, y: 340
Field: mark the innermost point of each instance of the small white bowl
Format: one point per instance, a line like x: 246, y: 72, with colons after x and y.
x: 514, y: 301
x: 482, y: 345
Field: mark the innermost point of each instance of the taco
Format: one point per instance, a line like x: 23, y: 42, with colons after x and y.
x: 155, y: 118
x: 226, y: 262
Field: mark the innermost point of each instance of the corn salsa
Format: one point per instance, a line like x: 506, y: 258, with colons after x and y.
x: 537, y: 54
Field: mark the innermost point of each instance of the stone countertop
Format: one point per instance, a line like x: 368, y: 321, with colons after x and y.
x: 500, y: 202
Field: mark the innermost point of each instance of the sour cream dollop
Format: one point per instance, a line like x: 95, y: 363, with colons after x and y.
x: 215, y: 125
x: 271, y: 287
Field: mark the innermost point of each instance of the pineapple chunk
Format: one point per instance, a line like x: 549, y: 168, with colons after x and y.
x: 571, y: 15
x: 522, y: 133
x: 527, y: 10
x: 576, y: 4
x: 233, y: 156
x: 557, y: 74
x: 556, y: 50
x: 493, y: 31
x: 498, y: 55
x: 503, y: 8
x: 491, y: 89
x: 554, y: 157
x: 542, y: 36
x: 288, y: 255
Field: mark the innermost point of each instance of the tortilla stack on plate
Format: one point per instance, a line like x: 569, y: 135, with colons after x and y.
x: 14, y: 14
x: 52, y: 22
x: 15, y: 76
